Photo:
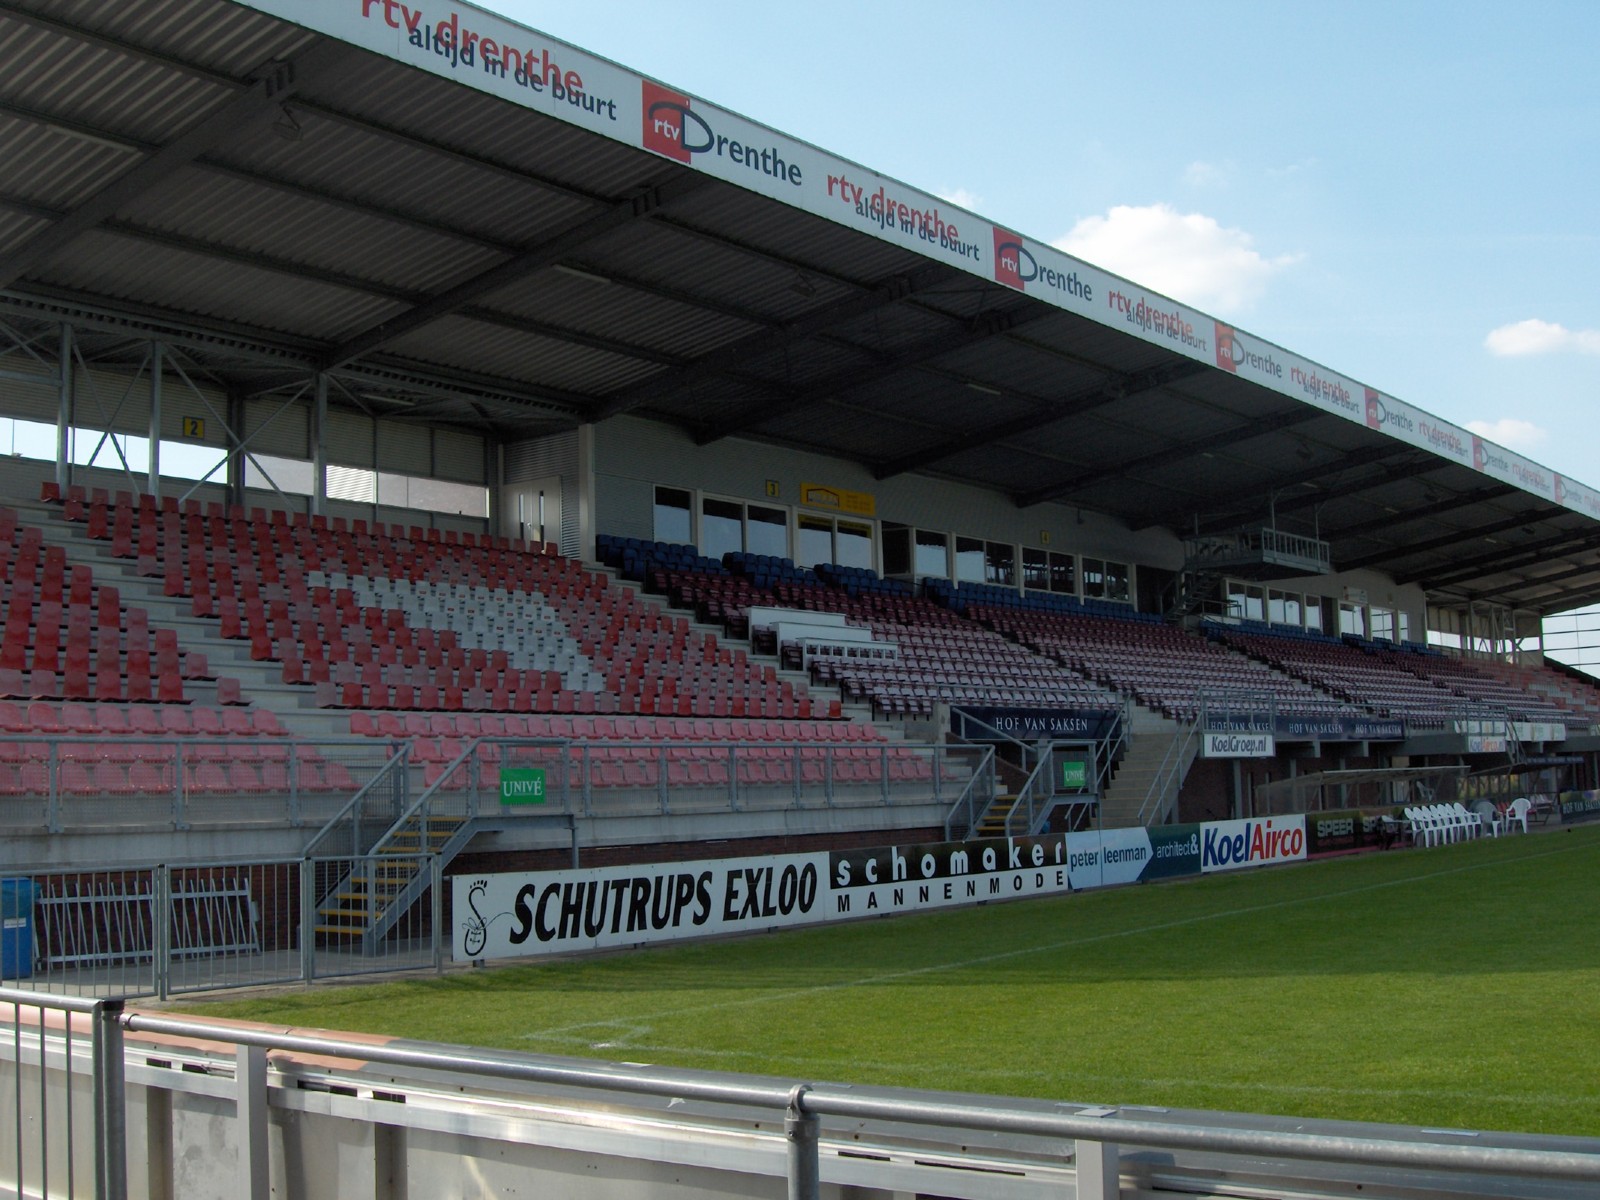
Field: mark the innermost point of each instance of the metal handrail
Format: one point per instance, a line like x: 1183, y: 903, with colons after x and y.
x: 1096, y: 1132
x: 980, y: 786
x: 397, y: 763
x: 1169, y: 774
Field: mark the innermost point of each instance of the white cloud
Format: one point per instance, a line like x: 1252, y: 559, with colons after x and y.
x: 1541, y: 337
x: 1187, y: 256
x: 1511, y: 432
x: 963, y: 198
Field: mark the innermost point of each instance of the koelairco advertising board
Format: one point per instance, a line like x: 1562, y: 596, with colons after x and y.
x: 522, y: 914
x: 484, y: 51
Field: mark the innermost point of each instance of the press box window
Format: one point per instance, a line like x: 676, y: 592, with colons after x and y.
x: 999, y: 563
x: 1035, y: 569
x: 721, y: 527
x: 1104, y: 580
x: 766, y: 531
x: 896, y: 551
x: 933, y: 554
x: 674, y: 516
x: 969, y: 560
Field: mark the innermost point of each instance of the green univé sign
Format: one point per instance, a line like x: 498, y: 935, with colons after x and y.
x: 1074, y: 774
x: 522, y: 785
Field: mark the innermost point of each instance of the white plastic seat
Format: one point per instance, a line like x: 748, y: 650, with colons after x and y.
x: 1517, y: 813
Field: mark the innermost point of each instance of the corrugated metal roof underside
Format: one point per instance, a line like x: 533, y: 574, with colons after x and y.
x: 461, y: 258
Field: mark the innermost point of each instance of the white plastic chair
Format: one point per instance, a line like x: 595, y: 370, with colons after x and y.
x: 1424, y: 829
x: 1517, y: 813
x: 1471, y: 823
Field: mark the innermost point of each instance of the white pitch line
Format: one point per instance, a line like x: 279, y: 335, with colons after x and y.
x: 555, y: 1033
x: 855, y: 1065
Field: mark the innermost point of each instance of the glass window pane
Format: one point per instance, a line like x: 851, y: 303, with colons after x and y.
x: 721, y: 527
x: 1035, y: 569
x: 1063, y: 574
x: 1352, y: 620
x: 353, y: 484
x: 1233, y: 593
x: 933, y: 554
x: 853, y: 545
x: 969, y: 560
x: 1255, y: 604
x: 33, y: 439
x: 1403, y: 619
x: 766, y: 531
x: 673, y: 516
x: 1000, y: 563
x: 191, y: 460
x: 1094, y: 578
x: 1119, y: 582
x: 1291, y: 609
x: 1314, y: 613
x: 294, y: 476
x: 896, y: 550
x: 815, y: 542
x: 444, y: 496
x: 1383, y: 623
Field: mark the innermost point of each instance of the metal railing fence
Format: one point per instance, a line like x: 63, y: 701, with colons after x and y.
x: 1093, y: 1139
x: 163, y: 930
x: 86, y: 784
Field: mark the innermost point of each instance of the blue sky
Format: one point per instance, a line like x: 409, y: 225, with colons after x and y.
x: 1408, y: 193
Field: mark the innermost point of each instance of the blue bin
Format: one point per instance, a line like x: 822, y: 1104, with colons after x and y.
x: 16, y: 928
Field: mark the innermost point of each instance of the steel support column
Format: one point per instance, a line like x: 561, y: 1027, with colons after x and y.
x: 319, y: 450
x: 64, y: 413
x: 153, y: 479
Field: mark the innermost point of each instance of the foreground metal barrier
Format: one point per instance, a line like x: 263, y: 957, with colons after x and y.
x: 60, y: 1131
x: 164, y: 930
x: 526, y: 1124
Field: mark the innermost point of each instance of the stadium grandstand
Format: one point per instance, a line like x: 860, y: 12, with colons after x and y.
x: 389, y: 404
x: 436, y: 455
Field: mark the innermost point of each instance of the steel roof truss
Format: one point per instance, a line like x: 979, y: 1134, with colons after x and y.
x: 259, y: 101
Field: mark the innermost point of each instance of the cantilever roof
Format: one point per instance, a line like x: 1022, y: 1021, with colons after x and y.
x: 307, y: 188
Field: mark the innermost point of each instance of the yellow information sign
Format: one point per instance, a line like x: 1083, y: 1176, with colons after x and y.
x: 194, y: 427
x: 860, y: 504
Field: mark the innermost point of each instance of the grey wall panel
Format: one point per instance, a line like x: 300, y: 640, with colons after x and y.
x: 458, y: 456
x: 273, y: 432
x: 350, y: 438
x: 632, y: 452
x: 623, y: 506
x: 405, y: 449
x: 30, y: 401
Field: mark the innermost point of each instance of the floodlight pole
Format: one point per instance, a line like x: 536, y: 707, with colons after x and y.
x: 803, y: 1131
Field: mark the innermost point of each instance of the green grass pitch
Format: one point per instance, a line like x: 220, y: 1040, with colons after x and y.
x: 1456, y: 986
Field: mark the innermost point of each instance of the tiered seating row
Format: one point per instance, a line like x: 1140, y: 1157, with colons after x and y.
x: 1466, y: 680
x: 940, y: 658
x: 259, y: 576
x: 129, y: 750
x: 1360, y: 677
x: 116, y: 720
x: 65, y: 637
x: 1161, y: 666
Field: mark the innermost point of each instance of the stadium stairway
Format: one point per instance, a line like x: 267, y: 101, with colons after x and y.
x: 1152, y: 740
